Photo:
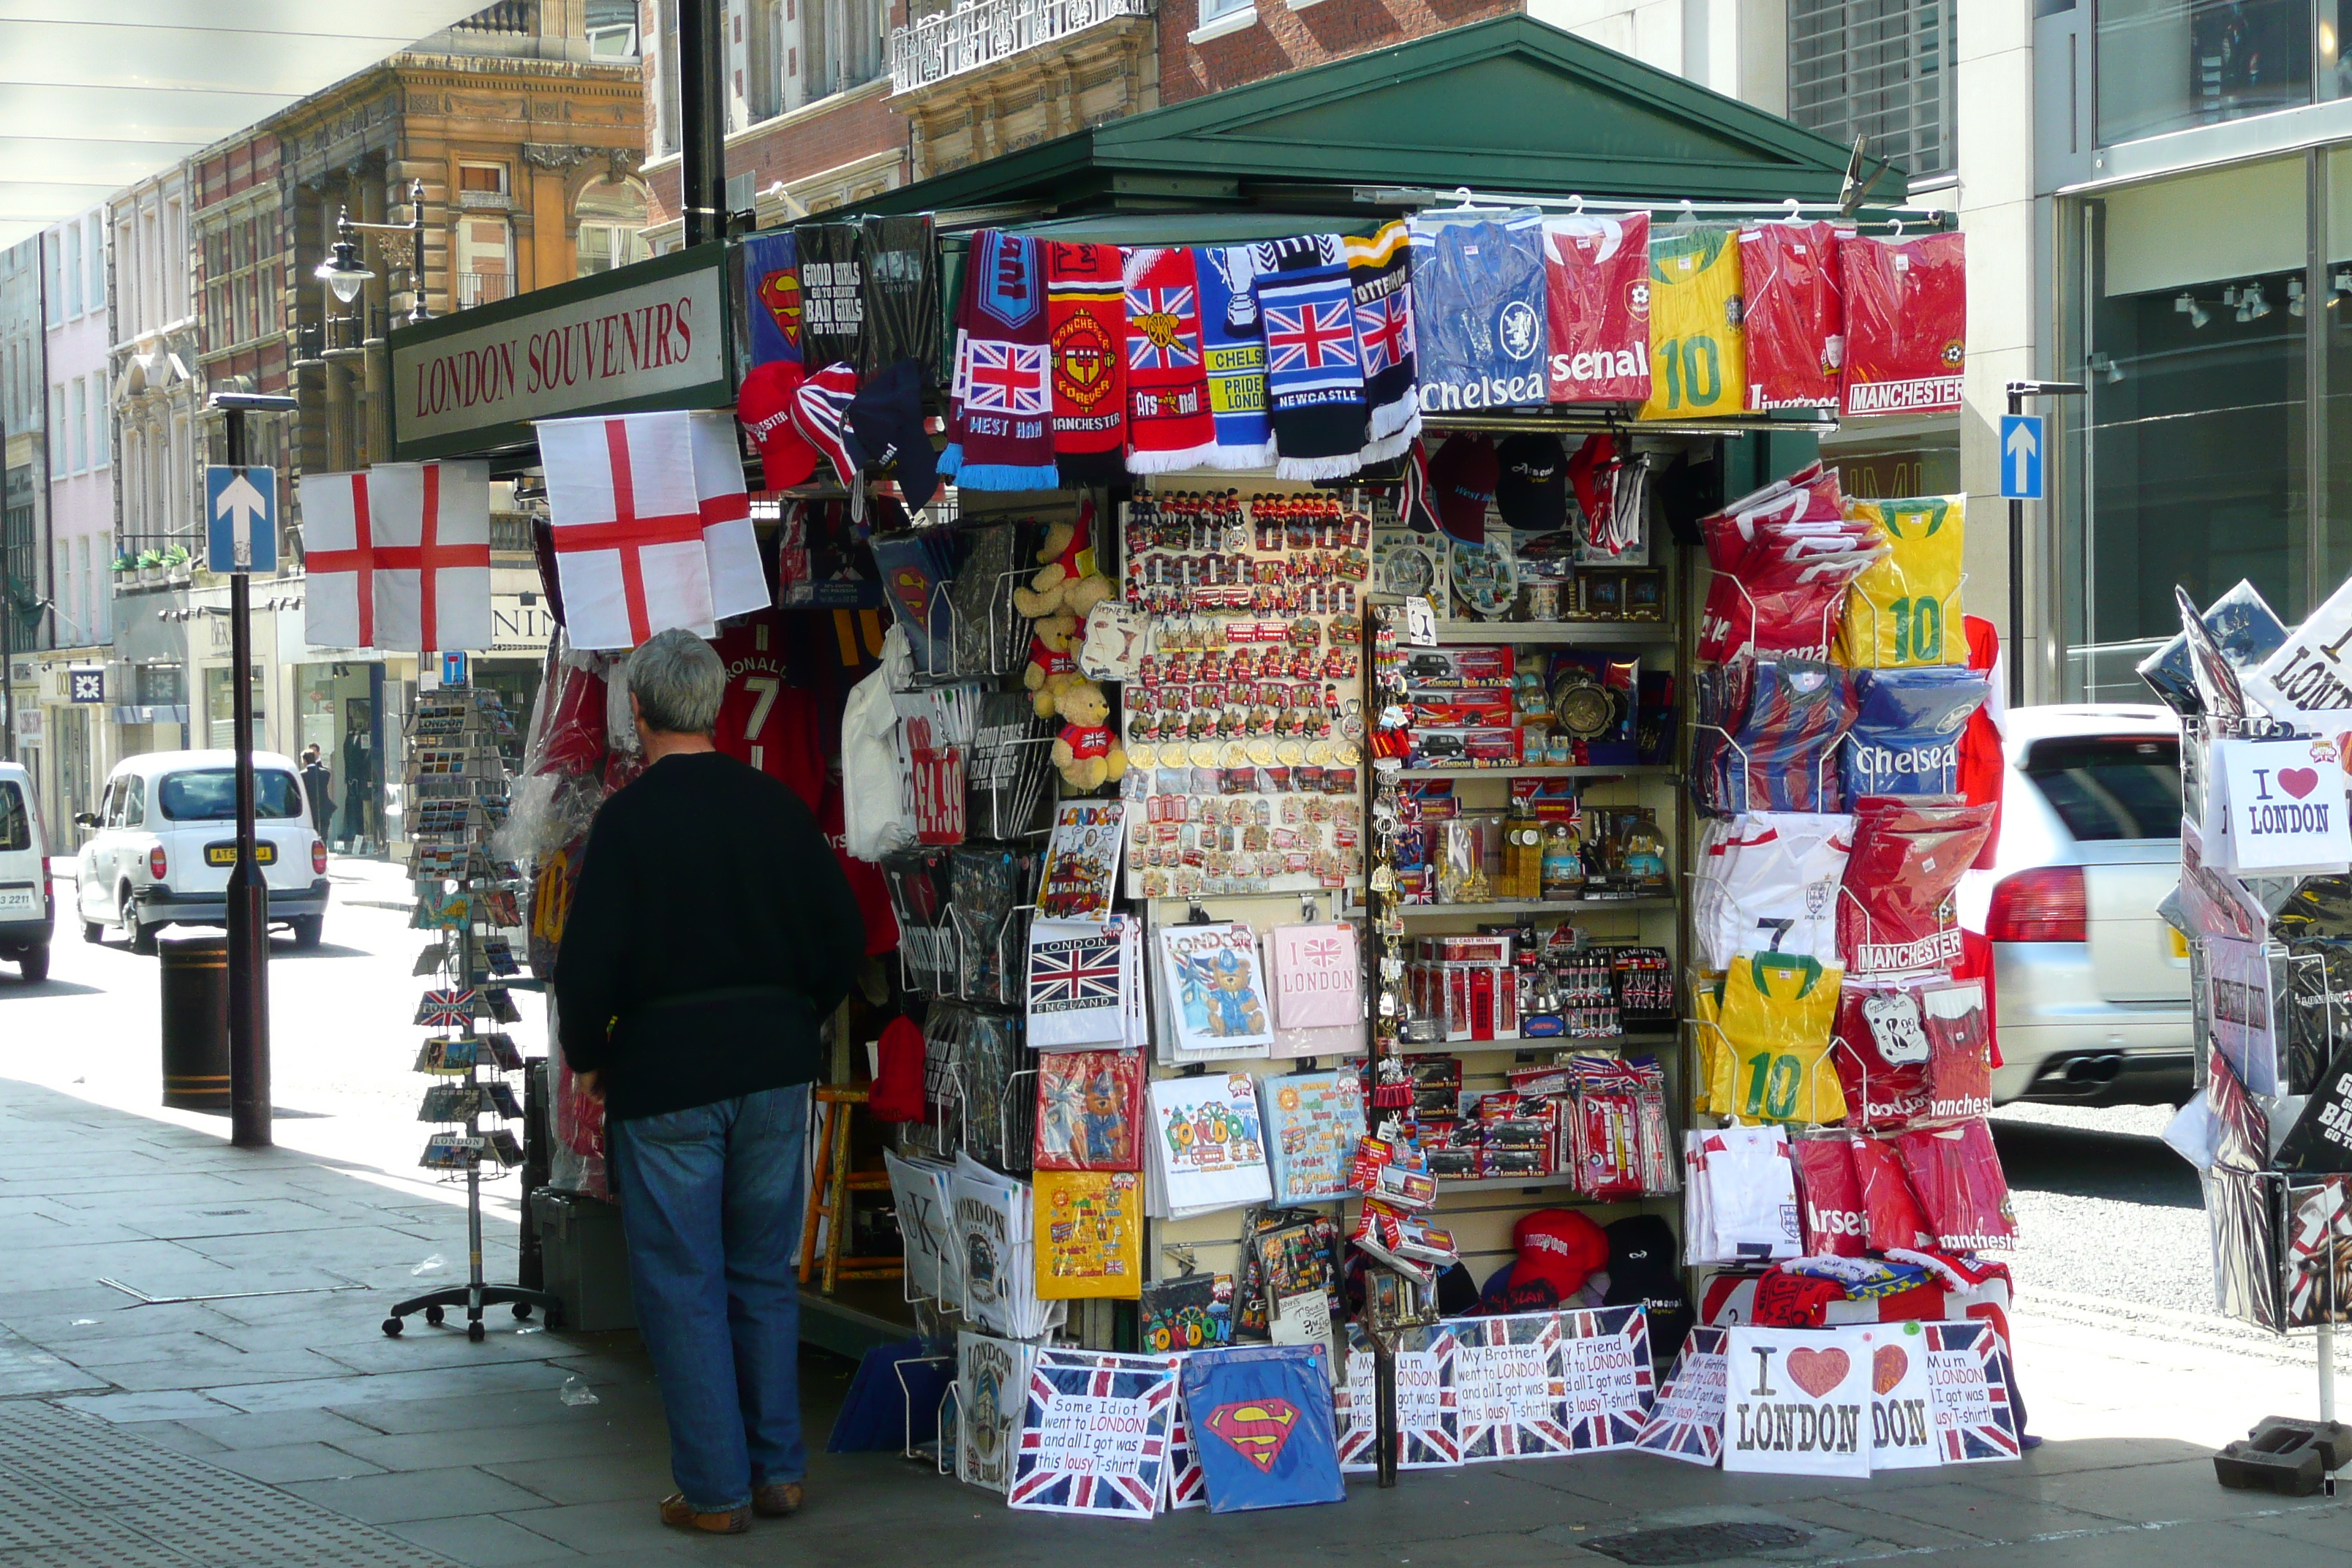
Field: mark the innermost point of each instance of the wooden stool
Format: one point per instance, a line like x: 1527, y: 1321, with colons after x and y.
x: 834, y: 1183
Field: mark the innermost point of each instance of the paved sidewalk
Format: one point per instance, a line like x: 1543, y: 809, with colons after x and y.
x: 371, y: 883
x: 263, y: 1429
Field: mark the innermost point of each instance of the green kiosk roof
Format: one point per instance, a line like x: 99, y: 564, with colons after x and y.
x: 1506, y: 105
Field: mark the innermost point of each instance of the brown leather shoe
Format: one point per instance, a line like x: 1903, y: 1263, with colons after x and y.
x: 777, y: 1499
x: 679, y: 1515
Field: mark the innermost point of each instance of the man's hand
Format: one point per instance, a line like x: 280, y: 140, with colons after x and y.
x: 591, y: 1084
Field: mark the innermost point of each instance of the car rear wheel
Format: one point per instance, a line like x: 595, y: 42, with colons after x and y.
x: 34, y: 965
x: 143, y: 938
x: 307, y: 930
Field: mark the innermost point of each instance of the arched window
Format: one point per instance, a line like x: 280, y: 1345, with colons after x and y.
x: 612, y: 224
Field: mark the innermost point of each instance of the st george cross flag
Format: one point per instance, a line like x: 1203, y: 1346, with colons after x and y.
x: 738, y: 585
x: 339, y: 553
x: 446, y: 1009
x: 432, y: 569
x: 1093, y: 1435
x: 629, y: 553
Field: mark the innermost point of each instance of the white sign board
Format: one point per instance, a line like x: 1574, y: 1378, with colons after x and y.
x: 1798, y: 1402
x: 2280, y: 807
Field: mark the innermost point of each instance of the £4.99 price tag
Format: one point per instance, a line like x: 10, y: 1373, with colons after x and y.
x: 2283, y: 808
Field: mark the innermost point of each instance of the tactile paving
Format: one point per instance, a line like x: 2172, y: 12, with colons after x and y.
x: 78, y: 1492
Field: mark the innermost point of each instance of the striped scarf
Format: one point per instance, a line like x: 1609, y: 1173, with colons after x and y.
x: 1379, y: 277
x: 1169, y: 426
x: 1314, y: 374
x: 1000, y: 424
x: 1234, y: 345
x: 1086, y: 324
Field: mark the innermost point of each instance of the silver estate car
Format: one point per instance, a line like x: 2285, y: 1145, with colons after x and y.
x: 2091, y: 987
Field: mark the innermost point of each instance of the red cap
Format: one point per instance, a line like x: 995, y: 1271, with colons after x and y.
x: 765, y: 407
x: 1462, y: 479
x: 1559, y: 1246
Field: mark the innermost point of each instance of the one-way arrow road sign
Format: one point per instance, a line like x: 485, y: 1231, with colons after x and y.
x: 240, y: 518
x: 2020, y: 456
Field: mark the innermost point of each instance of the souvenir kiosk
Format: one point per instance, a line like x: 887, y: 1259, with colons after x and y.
x: 1301, y: 707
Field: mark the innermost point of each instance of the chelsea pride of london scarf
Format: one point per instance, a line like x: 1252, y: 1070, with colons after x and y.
x: 1234, y: 345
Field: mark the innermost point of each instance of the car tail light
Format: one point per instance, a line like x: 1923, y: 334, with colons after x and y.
x: 2047, y: 903
x: 156, y: 864
x: 319, y: 856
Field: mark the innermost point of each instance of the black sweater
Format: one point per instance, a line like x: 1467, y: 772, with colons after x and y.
x: 709, y: 935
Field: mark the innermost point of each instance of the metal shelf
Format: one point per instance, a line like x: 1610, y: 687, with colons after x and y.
x: 1508, y: 1183
x: 1455, y: 632
x: 1578, y: 771
x: 1533, y: 906
x: 1530, y: 1043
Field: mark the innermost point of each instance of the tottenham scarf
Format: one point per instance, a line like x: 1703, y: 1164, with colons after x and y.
x: 1380, y: 279
x: 1169, y: 426
x: 1235, y: 346
x: 1314, y: 373
x: 999, y: 433
x: 1087, y: 322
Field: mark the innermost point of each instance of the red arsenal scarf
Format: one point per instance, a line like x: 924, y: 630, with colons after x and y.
x: 1087, y: 322
x: 1168, y: 425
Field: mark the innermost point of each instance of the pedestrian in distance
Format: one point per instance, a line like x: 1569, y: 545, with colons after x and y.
x: 712, y: 932
x: 316, y: 783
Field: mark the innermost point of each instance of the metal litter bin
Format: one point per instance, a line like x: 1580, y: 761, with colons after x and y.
x: 196, y: 1022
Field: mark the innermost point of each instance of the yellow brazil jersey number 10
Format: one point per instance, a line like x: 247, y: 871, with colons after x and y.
x: 1698, y: 356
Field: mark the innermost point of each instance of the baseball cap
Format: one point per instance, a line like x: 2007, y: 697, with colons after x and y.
x: 764, y: 408
x: 1531, y: 487
x: 1559, y: 1246
x: 1462, y: 485
x: 885, y: 424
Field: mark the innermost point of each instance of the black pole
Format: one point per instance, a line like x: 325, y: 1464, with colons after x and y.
x: 702, y: 121
x: 2016, y: 570
x: 7, y: 659
x: 248, y: 893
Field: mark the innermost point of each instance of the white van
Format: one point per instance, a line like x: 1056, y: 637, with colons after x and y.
x: 164, y: 839
x: 28, y: 913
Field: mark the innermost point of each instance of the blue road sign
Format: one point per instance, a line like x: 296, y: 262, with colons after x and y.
x: 453, y: 669
x: 240, y: 518
x: 2020, y: 456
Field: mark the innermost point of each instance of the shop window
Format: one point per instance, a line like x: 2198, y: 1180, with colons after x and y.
x: 485, y: 260
x: 1879, y: 69
x: 2168, y: 65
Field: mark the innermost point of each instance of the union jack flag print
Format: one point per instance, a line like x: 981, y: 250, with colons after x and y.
x: 1094, y: 1434
x: 1605, y: 1356
x: 1974, y: 1425
x: 1384, y: 328
x: 1163, y: 328
x: 1006, y: 378
x: 1509, y: 1383
x: 1187, y: 1483
x: 446, y: 1009
x: 1080, y: 972
x: 1429, y: 1413
x: 1686, y: 1422
x: 1310, y: 335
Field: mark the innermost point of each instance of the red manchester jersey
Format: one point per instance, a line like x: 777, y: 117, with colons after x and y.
x: 764, y: 719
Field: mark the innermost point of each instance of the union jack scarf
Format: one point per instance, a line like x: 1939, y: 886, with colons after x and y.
x: 1000, y: 408
x: 1379, y: 277
x: 1314, y: 366
x: 1169, y: 426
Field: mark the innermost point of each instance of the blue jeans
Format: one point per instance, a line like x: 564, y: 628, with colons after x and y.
x: 710, y: 1198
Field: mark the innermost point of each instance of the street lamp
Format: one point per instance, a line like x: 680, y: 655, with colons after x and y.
x: 346, y: 266
x: 343, y: 270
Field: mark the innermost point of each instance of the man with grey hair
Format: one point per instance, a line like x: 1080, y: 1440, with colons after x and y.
x: 711, y: 931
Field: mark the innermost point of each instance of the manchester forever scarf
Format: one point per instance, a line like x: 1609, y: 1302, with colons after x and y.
x: 1086, y: 323
x: 1314, y: 373
x: 1379, y: 277
x: 1001, y: 434
x: 1235, y: 346
x: 1169, y: 426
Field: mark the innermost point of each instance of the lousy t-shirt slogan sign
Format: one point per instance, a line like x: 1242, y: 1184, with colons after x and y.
x: 664, y: 335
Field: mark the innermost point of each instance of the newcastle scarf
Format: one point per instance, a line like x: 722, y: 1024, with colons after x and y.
x: 1235, y: 347
x: 1086, y: 324
x: 1313, y: 376
x: 1169, y: 426
x: 1380, y: 279
x: 999, y: 431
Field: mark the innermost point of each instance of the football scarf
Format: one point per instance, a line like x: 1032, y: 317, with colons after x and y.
x: 1001, y: 434
x: 772, y: 287
x: 1698, y: 362
x: 1314, y: 374
x: 1234, y: 342
x: 899, y: 295
x: 1791, y: 314
x: 832, y: 302
x: 1597, y: 287
x: 1086, y: 326
x: 1478, y: 308
x: 1169, y: 426
x: 1379, y: 277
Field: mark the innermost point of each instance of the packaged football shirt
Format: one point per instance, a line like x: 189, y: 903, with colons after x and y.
x: 1769, y: 883
x: 1905, y: 607
x: 1792, y: 315
x: 1907, y: 320
x: 1597, y: 285
x: 1894, y: 910
x: 1778, y: 1011
x: 1698, y: 359
x: 1478, y: 310
x: 1906, y: 732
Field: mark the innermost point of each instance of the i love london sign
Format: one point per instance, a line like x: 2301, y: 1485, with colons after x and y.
x: 2281, y: 806
x: 655, y: 335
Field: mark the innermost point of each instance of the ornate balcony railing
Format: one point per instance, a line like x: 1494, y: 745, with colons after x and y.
x: 950, y: 44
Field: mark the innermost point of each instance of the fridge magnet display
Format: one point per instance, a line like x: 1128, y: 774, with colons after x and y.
x: 1798, y: 1402
x: 1686, y: 1422
x: 1261, y: 1423
x: 1094, y: 1434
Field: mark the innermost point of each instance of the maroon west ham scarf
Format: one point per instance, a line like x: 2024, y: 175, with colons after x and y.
x: 1001, y: 434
